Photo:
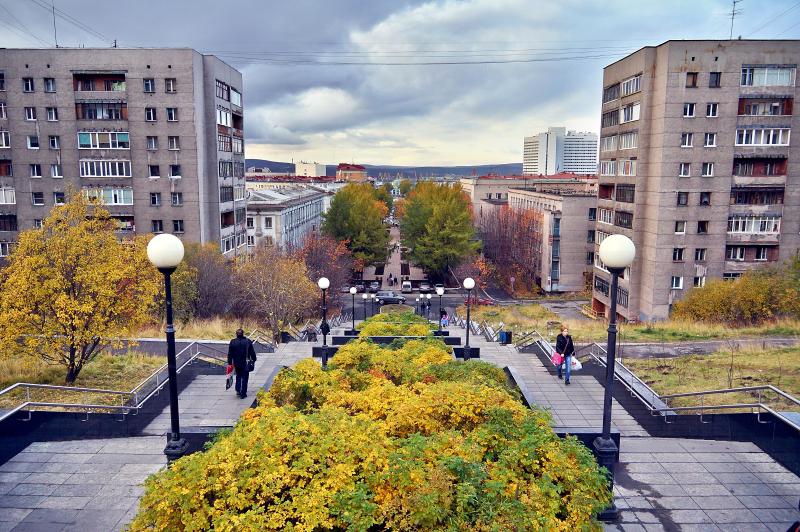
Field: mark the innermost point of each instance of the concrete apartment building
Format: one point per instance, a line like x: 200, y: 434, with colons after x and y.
x: 305, y: 169
x: 558, y: 150
x: 696, y: 166
x: 567, y: 237
x: 351, y: 172
x: 154, y: 134
x: 284, y: 216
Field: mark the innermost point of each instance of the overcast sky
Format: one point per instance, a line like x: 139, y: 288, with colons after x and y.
x: 360, y: 111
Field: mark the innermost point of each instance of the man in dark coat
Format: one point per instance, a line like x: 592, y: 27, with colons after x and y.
x: 240, y: 353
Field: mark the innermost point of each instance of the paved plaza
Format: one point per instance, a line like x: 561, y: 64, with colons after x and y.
x: 661, y: 484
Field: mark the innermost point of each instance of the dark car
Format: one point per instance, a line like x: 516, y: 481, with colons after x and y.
x: 374, y: 286
x: 390, y: 298
x: 360, y: 288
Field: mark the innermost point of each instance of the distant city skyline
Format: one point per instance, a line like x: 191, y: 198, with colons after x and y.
x: 386, y: 82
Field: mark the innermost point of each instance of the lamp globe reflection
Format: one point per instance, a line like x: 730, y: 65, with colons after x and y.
x: 440, y: 291
x: 323, y: 283
x: 617, y: 251
x: 165, y: 251
x: 469, y: 283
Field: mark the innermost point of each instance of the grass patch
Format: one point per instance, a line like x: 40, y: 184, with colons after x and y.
x: 106, y: 372
x: 220, y: 328
x: 521, y: 318
x: 721, y: 370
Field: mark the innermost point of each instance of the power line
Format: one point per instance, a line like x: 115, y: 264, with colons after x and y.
x: 764, y: 25
x: 21, y: 33
x: 72, y: 20
x: 22, y: 26
x: 787, y: 29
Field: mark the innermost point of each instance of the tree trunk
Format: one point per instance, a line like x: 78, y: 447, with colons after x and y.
x: 72, y: 374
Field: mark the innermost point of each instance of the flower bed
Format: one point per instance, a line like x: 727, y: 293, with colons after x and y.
x: 395, y: 324
x: 389, y: 438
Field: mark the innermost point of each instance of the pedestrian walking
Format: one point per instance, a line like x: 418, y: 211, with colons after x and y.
x: 566, y: 349
x: 242, y: 356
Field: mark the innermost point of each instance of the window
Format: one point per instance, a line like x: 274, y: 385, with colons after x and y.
x: 37, y: 198
x: 224, y: 117
x: 177, y: 226
x: 152, y: 143
x: 705, y: 198
x: 677, y: 283
x: 49, y: 85
x: 715, y: 80
x: 33, y: 142
x: 629, y: 113
x: 55, y: 171
x: 608, y: 143
x: 611, y: 93
x: 38, y: 223
x: 35, y: 170
x: 700, y: 254
x: 110, y: 195
x: 58, y: 198
x: 710, y: 140
x: 6, y: 169
x: 683, y: 199
x: 712, y: 110
x: 691, y: 79
x: 590, y: 236
x: 623, y: 219
x: 625, y: 193
x: 606, y: 216
x: 754, y: 224
x: 730, y: 276
x: 765, y: 108
x: 251, y: 240
x: 685, y: 170
x: 153, y: 170
x: 170, y: 85
x: 236, y: 97
x: 223, y: 143
x: 172, y: 114
x: 52, y: 114
x: 8, y: 222
x: 157, y: 226
x: 592, y: 214
x: 7, y: 196
x: 677, y: 254
x: 54, y: 141
x: 686, y: 140
x: 5, y: 139
x: 762, y: 253
x: 240, y: 193
x: 762, y: 137
x: 631, y: 85
x: 155, y: 199
x: 268, y: 222
x: 149, y: 85
x: 114, y: 140
x: 105, y: 168
x: 601, y: 285
x: 173, y: 143
x: 101, y: 111
x: 3, y: 114
x: 688, y: 110
x: 30, y: 113
x: 702, y: 227
x: 237, y: 144
x: 627, y: 167
x: 708, y: 170
x: 249, y: 223
x: 608, y: 167
x: 772, y: 76
x: 590, y: 257
x: 735, y: 253
x: 225, y: 194
x: 150, y: 114
x: 177, y: 199
x: 2, y: 81
x: 223, y: 90
x: 27, y: 85
x: 699, y: 280
x: 175, y: 171
x: 629, y: 140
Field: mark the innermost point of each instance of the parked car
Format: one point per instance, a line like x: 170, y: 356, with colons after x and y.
x: 360, y: 287
x: 424, y: 288
x: 345, y: 289
x: 437, y: 286
x: 480, y: 301
x: 390, y: 298
x: 374, y: 286
x: 406, y: 287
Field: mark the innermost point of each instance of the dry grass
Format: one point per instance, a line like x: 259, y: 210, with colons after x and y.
x: 722, y: 370
x: 220, y: 328
x: 519, y: 318
x: 106, y: 372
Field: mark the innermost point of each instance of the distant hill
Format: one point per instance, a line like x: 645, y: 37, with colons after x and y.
x: 404, y: 171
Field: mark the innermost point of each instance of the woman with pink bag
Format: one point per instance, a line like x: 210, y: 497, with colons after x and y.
x: 566, y: 349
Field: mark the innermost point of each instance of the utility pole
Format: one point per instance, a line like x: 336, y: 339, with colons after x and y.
x: 734, y: 12
x: 55, y: 31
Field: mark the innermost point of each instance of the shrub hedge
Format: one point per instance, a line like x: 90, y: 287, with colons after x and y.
x: 385, y: 439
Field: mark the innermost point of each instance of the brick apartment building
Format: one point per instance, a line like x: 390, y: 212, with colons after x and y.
x: 696, y: 166
x: 154, y: 134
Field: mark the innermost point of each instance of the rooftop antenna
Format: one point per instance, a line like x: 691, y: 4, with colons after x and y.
x: 734, y: 12
x: 55, y: 31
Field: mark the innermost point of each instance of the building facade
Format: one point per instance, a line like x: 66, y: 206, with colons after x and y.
x: 351, y: 172
x: 156, y: 135
x: 558, y: 150
x: 283, y: 217
x: 567, y: 234
x: 696, y: 166
x: 304, y: 169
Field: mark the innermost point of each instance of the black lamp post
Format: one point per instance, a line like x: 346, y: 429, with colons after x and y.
x: 372, y: 304
x: 365, y: 297
x: 324, y: 283
x: 165, y: 252
x: 416, y: 306
x: 428, y: 306
x: 469, y: 284
x: 616, y: 253
x: 440, y: 293
x: 353, y: 291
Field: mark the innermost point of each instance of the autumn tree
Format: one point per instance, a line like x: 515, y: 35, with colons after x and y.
x: 512, y: 240
x: 72, y: 288
x: 357, y: 217
x: 214, y: 279
x: 384, y: 194
x: 405, y: 187
x: 275, y: 287
x: 327, y: 257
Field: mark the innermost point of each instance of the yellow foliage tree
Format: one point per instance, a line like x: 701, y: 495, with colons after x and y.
x: 72, y: 288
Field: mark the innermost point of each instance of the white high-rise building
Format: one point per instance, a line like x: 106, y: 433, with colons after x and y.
x: 558, y: 150
x: 305, y: 169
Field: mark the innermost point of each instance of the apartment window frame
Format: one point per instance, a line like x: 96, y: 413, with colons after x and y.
x: 700, y: 254
x: 52, y: 114
x: 735, y: 253
x: 173, y: 143
x: 684, y: 169
x: 104, y: 140
x: 157, y: 226
x: 751, y: 74
x: 682, y: 199
x: 35, y: 170
x: 150, y: 114
x: 592, y: 214
x: 705, y: 199
x: 54, y: 142
x: 222, y: 90
x: 56, y: 171
x: 763, y: 136
x: 630, y: 113
x: 680, y: 227
x: 710, y: 140
x: 676, y: 283
x: 688, y: 110
x: 691, y: 80
x: 178, y: 227
x: 687, y: 139
x: 59, y: 197
x: 33, y: 142
x: 30, y: 114
x: 702, y: 227
x: 3, y: 111
x: 5, y: 138
x: 712, y: 110
x: 28, y: 85
x: 155, y: 199
x: 8, y: 196
x: 631, y: 85
x: 677, y: 254
x: 175, y: 171
x: 699, y: 281
x: 176, y: 199
x: 237, y: 144
x: 118, y: 168
x: 37, y: 199
x: 707, y: 170
x: 148, y: 85
x: 170, y: 85
x: 153, y: 171
x: 762, y: 254
x: 172, y: 114
x: 224, y: 143
x: 714, y: 80
x: 49, y: 84
x: 152, y: 143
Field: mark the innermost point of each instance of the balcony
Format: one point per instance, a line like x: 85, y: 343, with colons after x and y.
x: 758, y: 181
x: 754, y: 209
x: 753, y: 238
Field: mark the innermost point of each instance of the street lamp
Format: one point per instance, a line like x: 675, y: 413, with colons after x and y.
x: 365, y: 297
x: 469, y: 284
x: 165, y: 252
x: 617, y: 253
x: 440, y: 293
x: 324, y: 283
x: 416, y: 307
x: 353, y: 293
x: 373, y: 300
x: 428, y: 306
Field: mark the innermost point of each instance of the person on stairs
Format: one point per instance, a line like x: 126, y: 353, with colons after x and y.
x: 566, y: 349
x: 243, y: 357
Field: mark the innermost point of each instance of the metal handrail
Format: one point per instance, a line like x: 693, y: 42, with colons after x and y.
x: 741, y: 389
